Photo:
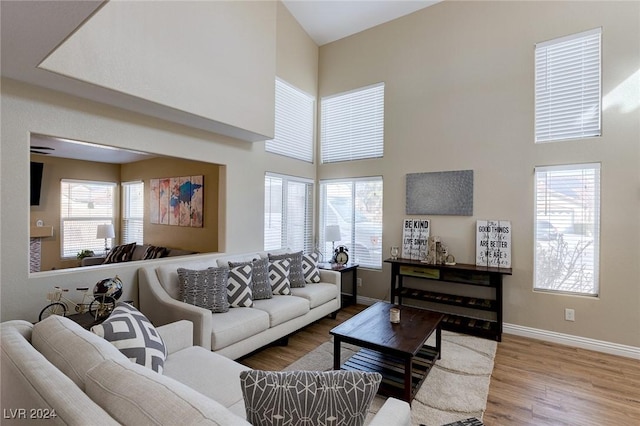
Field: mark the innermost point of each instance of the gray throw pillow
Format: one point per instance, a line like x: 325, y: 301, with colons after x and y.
x: 308, y: 397
x: 310, y: 268
x: 133, y: 334
x: 239, y: 286
x: 279, y: 276
x: 206, y: 288
x: 260, y: 285
x: 296, y: 273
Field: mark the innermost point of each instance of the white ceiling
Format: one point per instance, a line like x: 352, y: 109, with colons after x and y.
x: 329, y: 20
x: 66, y: 148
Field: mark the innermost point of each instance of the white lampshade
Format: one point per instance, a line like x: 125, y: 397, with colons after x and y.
x: 105, y: 231
x: 332, y: 233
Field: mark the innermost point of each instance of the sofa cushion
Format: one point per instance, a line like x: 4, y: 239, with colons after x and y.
x: 121, y: 253
x: 317, y: 294
x: 239, y: 286
x: 279, y: 276
x: 236, y: 325
x: 134, y: 335
x: 71, y: 348
x: 154, y: 252
x: 310, y: 268
x: 296, y: 274
x: 308, y: 397
x: 206, y: 288
x: 207, y: 372
x: 134, y: 395
x: 261, y: 286
x: 282, y: 308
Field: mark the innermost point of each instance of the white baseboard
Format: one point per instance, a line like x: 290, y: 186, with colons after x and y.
x: 551, y: 336
x: 575, y: 341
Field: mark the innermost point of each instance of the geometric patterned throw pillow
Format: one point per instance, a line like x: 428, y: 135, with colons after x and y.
x: 279, y: 276
x: 239, y: 286
x: 134, y: 335
x: 296, y: 273
x: 310, y: 268
x: 206, y: 288
x: 308, y: 397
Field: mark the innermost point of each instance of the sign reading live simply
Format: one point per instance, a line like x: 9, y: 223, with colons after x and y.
x: 415, y: 233
x: 493, y: 243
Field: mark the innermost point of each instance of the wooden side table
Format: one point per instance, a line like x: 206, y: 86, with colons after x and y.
x: 347, y: 299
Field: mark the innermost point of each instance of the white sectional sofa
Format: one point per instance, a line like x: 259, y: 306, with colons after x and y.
x: 56, y: 372
x: 239, y: 331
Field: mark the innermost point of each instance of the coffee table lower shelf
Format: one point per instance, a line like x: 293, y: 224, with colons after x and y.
x: 392, y: 369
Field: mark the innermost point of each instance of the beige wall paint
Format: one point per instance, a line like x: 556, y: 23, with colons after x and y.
x: 28, y: 109
x: 201, y: 240
x: 213, y: 59
x: 54, y: 170
x: 459, y: 95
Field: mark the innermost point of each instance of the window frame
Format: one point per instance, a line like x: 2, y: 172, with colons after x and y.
x: 126, y: 218
x: 287, y: 238
x: 577, y: 240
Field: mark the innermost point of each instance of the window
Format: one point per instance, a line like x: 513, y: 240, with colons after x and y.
x: 83, y: 206
x: 354, y: 205
x: 352, y: 125
x: 288, y: 213
x: 293, y: 123
x: 567, y: 87
x: 567, y: 228
x: 133, y: 212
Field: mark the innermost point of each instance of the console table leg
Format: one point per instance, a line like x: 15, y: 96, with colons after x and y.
x: 439, y: 341
x: 336, y: 353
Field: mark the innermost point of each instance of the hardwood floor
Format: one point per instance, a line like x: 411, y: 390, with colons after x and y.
x: 533, y: 382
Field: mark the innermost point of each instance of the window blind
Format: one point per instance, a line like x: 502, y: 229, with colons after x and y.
x: 83, y: 206
x: 288, y: 213
x: 567, y: 228
x: 352, y: 125
x: 568, y: 87
x: 293, y: 123
x: 133, y: 212
x: 355, y: 205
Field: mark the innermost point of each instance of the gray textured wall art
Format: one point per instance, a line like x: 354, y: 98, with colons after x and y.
x: 445, y: 193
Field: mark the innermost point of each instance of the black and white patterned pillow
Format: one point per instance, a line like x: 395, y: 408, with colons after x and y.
x: 296, y: 274
x: 154, y: 252
x: 310, y: 268
x: 260, y: 285
x: 239, y: 286
x: 122, y: 253
x: 206, y: 288
x: 134, y: 335
x: 308, y: 397
x: 279, y: 276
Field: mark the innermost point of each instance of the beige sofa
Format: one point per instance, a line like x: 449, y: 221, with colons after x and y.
x: 241, y: 330
x: 60, y: 373
x: 138, y: 254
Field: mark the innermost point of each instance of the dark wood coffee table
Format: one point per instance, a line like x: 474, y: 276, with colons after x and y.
x: 397, y: 351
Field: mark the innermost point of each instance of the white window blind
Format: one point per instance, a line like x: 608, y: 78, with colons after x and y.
x: 133, y: 212
x: 293, y: 123
x: 355, y: 205
x: 83, y: 206
x: 567, y: 228
x: 568, y: 87
x: 288, y: 213
x: 352, y: 125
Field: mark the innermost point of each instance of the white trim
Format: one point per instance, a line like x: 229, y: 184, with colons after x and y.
x: 569, y: 37
x: 575, y: 341
x: 363, y: 300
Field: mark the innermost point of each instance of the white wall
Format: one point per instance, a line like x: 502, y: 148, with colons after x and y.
x: 27, y: 109
x: 459, y: 95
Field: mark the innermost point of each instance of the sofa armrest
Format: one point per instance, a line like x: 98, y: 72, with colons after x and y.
x: 331, y: 277
x: 161, y: 308
x: 177, y: 335
x: 393, y: 412
x: 92, y: 260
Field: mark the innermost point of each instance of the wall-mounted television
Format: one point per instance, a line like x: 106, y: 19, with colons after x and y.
x: 36, y: 182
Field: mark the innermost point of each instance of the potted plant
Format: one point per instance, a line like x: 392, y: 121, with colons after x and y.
x: 84, y: 253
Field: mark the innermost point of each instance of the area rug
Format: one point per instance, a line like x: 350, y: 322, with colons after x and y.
x: 455, y: 389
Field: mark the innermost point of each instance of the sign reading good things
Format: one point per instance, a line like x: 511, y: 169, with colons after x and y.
x: 493, y: 243
x: 445, y: 193
x: 177, y: 201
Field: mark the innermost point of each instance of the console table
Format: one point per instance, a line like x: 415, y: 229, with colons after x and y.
x: 472, y: 318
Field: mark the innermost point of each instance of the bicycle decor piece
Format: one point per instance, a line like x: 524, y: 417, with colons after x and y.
x: 98, y: 303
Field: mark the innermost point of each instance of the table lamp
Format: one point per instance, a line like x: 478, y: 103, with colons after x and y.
x: 332, y: 233
x: 105, y: 231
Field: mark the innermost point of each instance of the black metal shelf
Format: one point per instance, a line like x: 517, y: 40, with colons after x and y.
x: 449, y: 299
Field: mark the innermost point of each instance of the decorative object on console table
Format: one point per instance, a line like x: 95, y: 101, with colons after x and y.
x: 480, y: 316
x: 415, y: 233
x: 350, y: 299
x: 493, y: 243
